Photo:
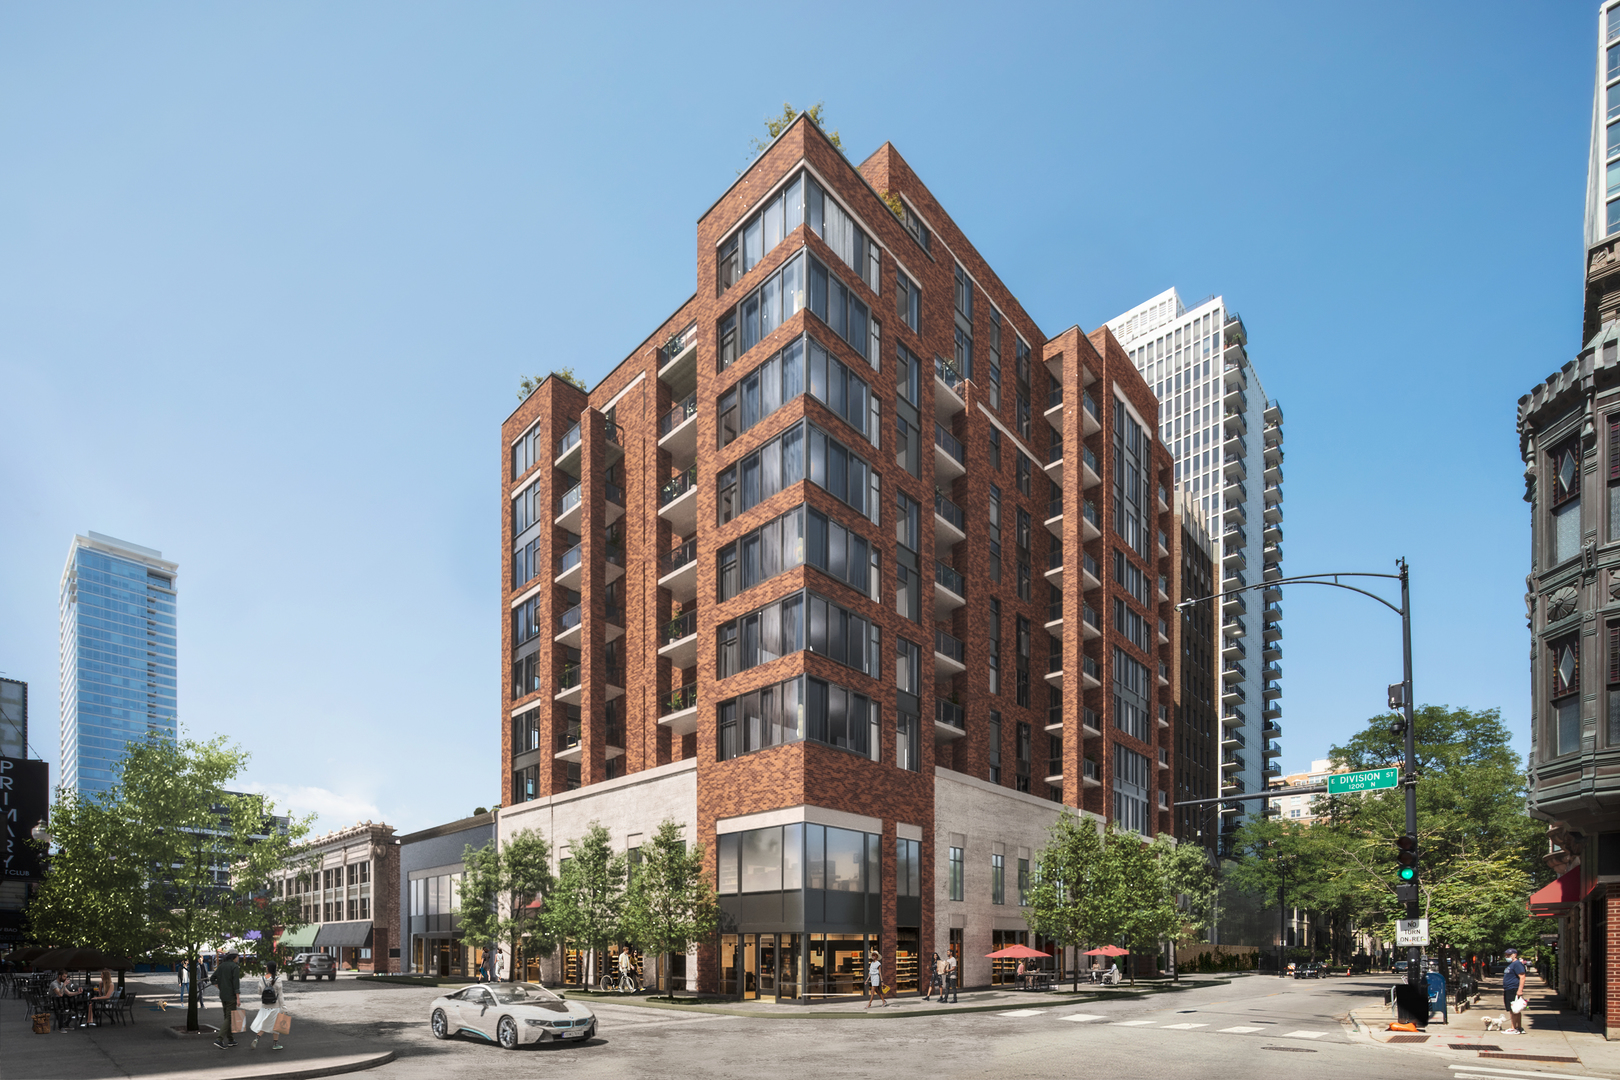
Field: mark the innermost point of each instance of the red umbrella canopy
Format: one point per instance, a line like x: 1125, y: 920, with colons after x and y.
x: 1108, y: 950
x: 1017, y: 952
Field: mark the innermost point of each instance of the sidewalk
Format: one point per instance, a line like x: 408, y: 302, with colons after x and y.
x: 910, y: 1003
x: 146, y: 1050
x: 1554, y: 1038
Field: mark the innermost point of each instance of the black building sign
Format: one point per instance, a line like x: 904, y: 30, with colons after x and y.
x: 24, y: 802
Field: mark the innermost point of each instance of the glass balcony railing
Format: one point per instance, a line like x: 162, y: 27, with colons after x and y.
x: 1090, y: 461
x: 949, y: 578
x: 679, y: 557
x: 570, y: 559
x: 679, y: 415
x: 676, y: 700
x: 950, y: 512
x: 948, y: 645
x: 569, y: 500
x: 1054, y: 611
x: 611, y: 432
x: 568, y: 619
x: 615, y: 676
x: 615, y: 734
x: 950, y: 714
x: 1090, y: 406
x: 1089, y: 614
x: 1089, y: 770
x: 1055, y: 398
x: 1088, y: 510
x: 569, y: 677
x: 568, y: 738
x: 949, y: 443
x: 1090, y: 719
x: 614, y: 614
x: 1054, y: 661
x: 1054, y: 556
x: 682, y: 626
x: 1090, y: 667
x: 569, y: 440
x: 1090, y: 566
x: 1164, y: 671
x: 613, y: 493
x: 677, y: 487
x: 1055, y: 451
x: 948, y: 375
x: 1054, y: 508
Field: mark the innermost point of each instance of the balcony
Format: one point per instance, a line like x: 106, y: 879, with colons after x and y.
x: 1054, y: 409
x: 570, y: 567
x: 1233, y: 535
x: 678, y: 572
x: 1054, y: 564
x: 1089, y: 621
x: 1054, y: 517
x: 1237, y: 423
x: 1091, y: 473
x: 1164, y: 673
x: 1231, y: 736
x: 950, y: 524
x: 1234, y: 628
x: 570, y: 508
x: 1234, y: 467
x: 677, y: 432
x: 1232, y: 717
x: 1272, y: 712
x: 1235, y: 491
x: 1164, y: 758
x: 678, y: 642
x: 950, y: 655
x: 1164, y: 588
x: 950, y: 590
x: 1054, y: 619
x: 1271, y: 535
x: 1090, y: 522
x: 1233, y: 785
x: 1234, y: 580
x: 1234, y: 605
x: 1164, y: 547
x: 1271, y: 771
x: 1090, y: 774
x: 1273, y: 475
x: 949, y: 390
x: 1274, y: 511
x: 1233, y: 649
x: 568, y: 451
x: 1164, y: 716
x: 1090, y: 576
x: 1273, y: 613
x: 677, y: 502
x: 1090, y: 723
x: 1054, y: 462
x: 1091, y: 419
x: 1272, y: 631
x: 950, y: 720
x: 1273, y: 453
x: 677, y: 361
x: 1232, y: 671
x: 569, y: 744
x: 678, y: 710
x: 1273, y: 414
x: 1272, y: 750
x: 1272, y: 592
x: 950, y: 459
x: 1272, y: 730
x: 1164, y: 632
x: 1233, y: 762
x: 1054, y: 772
x: 1270, y: 651
x: 1272, y: 691
x: 1090, y: 673
x: 1232, y: 694
x: 569, y: 686
x: 569, y: 627
x: 1235, y: 371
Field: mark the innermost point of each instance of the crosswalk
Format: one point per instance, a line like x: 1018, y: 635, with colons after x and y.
x: 1240, y: 1029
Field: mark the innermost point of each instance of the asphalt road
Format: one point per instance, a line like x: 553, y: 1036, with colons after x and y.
x: 1251, y: 1027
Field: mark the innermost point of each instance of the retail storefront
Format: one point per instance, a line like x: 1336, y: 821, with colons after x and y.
x: 349, y: 942
x: 431, y: 874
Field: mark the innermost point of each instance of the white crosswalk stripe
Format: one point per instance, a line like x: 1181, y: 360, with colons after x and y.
x: 1239, y: 1030
x: 1131, y: 1023
x: 1021, y: 1012
x: 1081, y: 1018
x: 1183, y: 1027
x: 1304, y: 1034
x: 1496, y: 1074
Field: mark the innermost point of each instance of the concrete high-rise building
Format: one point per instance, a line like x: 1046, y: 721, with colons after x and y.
x: 1226, y: 438
x: 13, y: 718
x: 851, y: 570
x: 117, y: 656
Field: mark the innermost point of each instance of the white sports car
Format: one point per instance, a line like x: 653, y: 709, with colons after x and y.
x: 511, y: 1014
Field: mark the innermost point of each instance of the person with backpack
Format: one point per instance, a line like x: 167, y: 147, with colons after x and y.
x: 228, y: 977
x: 273, y: 1003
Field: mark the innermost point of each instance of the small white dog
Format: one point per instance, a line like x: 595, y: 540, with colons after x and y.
x: 1496, y: 1023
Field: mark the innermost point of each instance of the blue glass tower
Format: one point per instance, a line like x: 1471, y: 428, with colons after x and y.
x: 117, y: 656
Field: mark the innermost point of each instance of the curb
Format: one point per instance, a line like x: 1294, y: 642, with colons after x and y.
x: 318, y: 1070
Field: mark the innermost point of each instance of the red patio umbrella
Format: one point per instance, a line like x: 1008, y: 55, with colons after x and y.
x: 1108, y: 950
x: 1017, y: 952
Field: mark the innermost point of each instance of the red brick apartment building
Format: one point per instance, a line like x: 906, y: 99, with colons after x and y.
x: 851, y: 569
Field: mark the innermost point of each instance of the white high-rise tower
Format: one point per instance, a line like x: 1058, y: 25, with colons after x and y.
x: 1227, y: 442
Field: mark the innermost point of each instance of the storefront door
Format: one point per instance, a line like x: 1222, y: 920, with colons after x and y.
x: 767, y: 966
x: 750, y: 967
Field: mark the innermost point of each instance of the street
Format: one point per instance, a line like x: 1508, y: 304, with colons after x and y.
x: 1253, y: 1025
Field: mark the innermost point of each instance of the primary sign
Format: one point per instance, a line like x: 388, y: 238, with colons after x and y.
x: 24, y: 800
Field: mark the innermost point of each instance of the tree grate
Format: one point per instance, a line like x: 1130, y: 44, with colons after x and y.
x: 1529, y: 1057
x: 1407, y: 1038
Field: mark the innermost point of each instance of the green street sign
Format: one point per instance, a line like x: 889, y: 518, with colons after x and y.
x: 1366, y: 780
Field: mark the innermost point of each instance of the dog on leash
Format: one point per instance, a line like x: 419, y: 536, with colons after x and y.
x: 1496, y: 1023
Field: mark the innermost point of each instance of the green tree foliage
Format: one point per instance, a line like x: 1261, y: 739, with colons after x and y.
x: 588, y: 905
x: 1069, y: 869
x: 530, y: 383
x: 775, y: 125
x: 135, y: 872
x: 500, y: 892
x: 1191, y: 882
x: 670, y: 903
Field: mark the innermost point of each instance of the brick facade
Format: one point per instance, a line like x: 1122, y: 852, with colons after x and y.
x: 620, y: 430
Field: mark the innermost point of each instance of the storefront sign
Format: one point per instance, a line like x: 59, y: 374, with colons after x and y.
x: 24, y: 802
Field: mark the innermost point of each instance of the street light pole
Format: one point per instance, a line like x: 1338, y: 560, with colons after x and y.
x: 1415, y: 976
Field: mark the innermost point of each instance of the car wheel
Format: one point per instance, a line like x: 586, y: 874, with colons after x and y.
x: 440, y: 1025
x: 506, y: 1031
x: 590, y: 1033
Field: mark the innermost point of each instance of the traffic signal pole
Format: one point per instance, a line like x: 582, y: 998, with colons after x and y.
x: 1414, y: 909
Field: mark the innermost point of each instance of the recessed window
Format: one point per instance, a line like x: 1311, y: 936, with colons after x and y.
x: 1564, y: 533
x: 1564, y: 679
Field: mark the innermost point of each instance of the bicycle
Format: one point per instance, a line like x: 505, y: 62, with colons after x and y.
x: 626, y: 983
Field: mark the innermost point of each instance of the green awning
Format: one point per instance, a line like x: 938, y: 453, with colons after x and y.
x: 301, y: 938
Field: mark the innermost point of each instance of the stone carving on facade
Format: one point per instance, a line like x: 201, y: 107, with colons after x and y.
x: 1561, y: 603
x: 1602, y: 257
x: 1589, y: 556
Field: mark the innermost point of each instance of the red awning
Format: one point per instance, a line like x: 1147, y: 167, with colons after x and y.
x: 1559, y: 895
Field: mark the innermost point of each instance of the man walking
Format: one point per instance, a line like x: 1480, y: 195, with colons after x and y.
x: 228, y: 977
x: 950, y: 979
x: 1512, y: 988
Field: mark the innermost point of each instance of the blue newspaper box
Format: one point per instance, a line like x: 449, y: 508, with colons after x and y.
x: 1437, y: 998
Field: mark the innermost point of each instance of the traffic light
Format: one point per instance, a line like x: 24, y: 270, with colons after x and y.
x: 1406, y: 857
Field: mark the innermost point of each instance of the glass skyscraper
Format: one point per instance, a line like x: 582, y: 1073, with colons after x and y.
x: 117, y: 656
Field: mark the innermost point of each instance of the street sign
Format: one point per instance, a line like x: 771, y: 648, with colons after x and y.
x: 1411, y: 932
x: 1366, y: 780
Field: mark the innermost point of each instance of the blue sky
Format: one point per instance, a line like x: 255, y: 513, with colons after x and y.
x: 269, y: 274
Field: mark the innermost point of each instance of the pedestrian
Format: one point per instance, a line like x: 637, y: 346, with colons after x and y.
x: 274, y: 1004
x: 1512, y: 989
x: 936, y: 977
x: 950, y: 979
x: 874, y: 979
x: 1020, y: 983
x: 228, y: 977
x: 180, y: 977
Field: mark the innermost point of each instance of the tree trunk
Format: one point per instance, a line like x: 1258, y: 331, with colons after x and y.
x: 193, y: 992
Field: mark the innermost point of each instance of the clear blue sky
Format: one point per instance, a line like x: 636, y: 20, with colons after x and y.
x: 269, y: 274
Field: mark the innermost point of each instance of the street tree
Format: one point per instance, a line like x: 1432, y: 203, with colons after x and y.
x: 1190, y: 882
x: 165, y: 860
x: 588, y: 904
x: 1070, y: 874
x: 670, y: 903
x: 504, y: 896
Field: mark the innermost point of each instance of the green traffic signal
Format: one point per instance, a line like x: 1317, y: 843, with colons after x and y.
x: 1407, y: 873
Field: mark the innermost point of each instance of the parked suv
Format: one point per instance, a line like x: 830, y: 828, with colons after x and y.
x: 318, y: 964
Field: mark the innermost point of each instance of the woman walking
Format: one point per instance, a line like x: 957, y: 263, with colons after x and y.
x: 273, y: 1004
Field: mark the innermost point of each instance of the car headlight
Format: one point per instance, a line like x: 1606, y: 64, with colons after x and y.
x: 535, y: 1023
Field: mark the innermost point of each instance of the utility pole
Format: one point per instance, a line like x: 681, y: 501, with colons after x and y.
x: 1415, y: 975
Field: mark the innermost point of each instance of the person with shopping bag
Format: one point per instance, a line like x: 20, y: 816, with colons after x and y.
x: 1513, y: 990
x: 228, y: 977
x: 272, y: 1015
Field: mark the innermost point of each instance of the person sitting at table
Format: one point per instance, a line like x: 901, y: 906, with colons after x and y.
x: 61, y: 999
x: 105, y: 993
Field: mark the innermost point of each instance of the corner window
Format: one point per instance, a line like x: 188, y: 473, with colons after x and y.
x: 1564, y: 533
x: 1564, y: 679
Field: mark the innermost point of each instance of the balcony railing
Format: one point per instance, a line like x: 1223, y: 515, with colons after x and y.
x: 679, y: 557
x: 1090, y: 566
x: 1054, y: 661
x: 1055, y: 451
x: 1090, y: 719
x: 948, y: 443
x: 612, y: 432
x: 1054, y: 611
x: 949, y: 645
x: 950, y: 714
x: 569, y: 677
x: 1090, y: 406
x: 950, y: 512
x: 1090, y: 667
x: 568, y: 737
x: 1055, y: 508
x: 1090, y: 460
x: 570, y: 559
x: 1090, y: 770
x: 682, y: 626
x: 1234, y: 643
x: 615, y: 676
x: 1054, y: 555
x: 614, y: 614
x: 948, y: 375
x: 1236, y: 737
x: 1164, y: 671
x: 1235, y: 575
x: 675, y: 701
x: 1088, y: 510
x: 614, y: 734
x: 1164, y: 756
x: 1087, y: 613
x: 949, y: 578
x: 679, y: 415
x: 1235, y: 534
x: 568, y: 619
x: 613, y: 493
x: 677, y: 487
x: 1055, y: 398
x: 569, y: 440
x: 569, y: 500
